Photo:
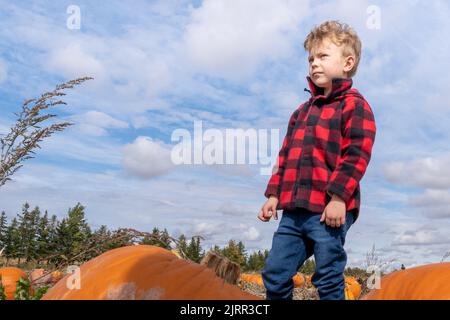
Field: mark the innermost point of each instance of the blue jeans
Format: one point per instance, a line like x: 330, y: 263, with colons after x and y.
x: 300, y: 234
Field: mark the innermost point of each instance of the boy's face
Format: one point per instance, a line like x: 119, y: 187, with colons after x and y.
x: 326, y: 61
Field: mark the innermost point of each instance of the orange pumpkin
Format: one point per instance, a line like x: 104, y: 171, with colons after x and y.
x: 42, y: 277
x: 256, y: 278
x: 56, y: 276
x: 252, y: 278
x: 9, y: 277
x: 299, y: 280
x: 145, y: 272
x: 37, y: 277
x: 427, y: 282
x: 352, y: 288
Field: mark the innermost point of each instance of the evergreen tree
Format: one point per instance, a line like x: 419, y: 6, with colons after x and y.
x: 256, y: 261
x: 12, y: 241
x: 53, y: 235
x: 194, y: 249
x: 103, y: 238
x: 158, y: 238
x: 43, y: 241
x: 27, y: 232
x: 308, y: 267
x: 22, y: 219
x: 235, y: 252
x: 71, y: 234
x: 165, y: 240
x: 182, y: 244
x: 78, y: 230
x: 63, y: 241
x: 31, y: 239
x: 150, y: 240
x: 217, y: 249
x: 119, y: 240
x: 243, y: 252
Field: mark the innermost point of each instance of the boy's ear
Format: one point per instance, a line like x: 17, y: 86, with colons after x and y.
x: 349, y: 63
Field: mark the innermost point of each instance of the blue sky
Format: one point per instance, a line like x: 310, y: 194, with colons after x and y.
x: 161, y: 65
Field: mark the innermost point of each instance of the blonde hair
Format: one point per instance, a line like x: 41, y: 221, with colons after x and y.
x: 340, y: 34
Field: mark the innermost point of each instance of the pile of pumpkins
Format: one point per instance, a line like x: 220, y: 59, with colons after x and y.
x: 352, y: 287
x: 145, y: 272
x: 9, y: 276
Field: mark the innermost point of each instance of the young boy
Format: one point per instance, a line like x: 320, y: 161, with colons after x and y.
x: 324, y: 155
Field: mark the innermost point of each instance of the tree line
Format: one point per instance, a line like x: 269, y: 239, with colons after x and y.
x: 37, y: 238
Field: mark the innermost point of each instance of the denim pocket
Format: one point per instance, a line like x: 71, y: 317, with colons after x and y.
x: 342, y: 230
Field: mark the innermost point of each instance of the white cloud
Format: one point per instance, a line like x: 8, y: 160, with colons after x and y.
x: 230, y: 38
x: 130, y: 67
x: 205, y: 229
x: 95, y: 123
x: 434, y: 204
x: 140, y: 121
x: 251, y: 234
x: 432, y: 197
x: 429, y: 172
x: 73, y: 61
x: 421, y: 237
x: 146, y: 158
x: 238, y: 170
x: 229, y: 209
x: 71, y: 145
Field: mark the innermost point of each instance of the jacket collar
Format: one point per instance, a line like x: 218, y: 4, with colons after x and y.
x: 338, y: 86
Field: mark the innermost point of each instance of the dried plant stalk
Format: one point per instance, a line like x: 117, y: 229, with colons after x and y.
x: 223, y: 267
x: 24, y: 136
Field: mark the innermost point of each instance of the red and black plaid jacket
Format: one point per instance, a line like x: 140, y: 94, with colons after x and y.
x: 326, y: 150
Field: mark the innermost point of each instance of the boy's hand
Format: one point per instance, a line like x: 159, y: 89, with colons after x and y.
x: 334, y: 213
x: 270, y: 205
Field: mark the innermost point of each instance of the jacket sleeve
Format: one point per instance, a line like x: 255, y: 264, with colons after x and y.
x: 358, y: 137
x: 274, y: 185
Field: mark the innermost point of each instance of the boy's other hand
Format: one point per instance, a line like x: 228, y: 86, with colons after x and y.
x: 334, y: 213
x: 269, y: 209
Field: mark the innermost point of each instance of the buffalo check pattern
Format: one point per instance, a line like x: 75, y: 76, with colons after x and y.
x: 326, y: 150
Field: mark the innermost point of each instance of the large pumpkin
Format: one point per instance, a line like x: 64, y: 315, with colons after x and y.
x: 145, y: 272
x: 427, y: 282
x: 9, y: 277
